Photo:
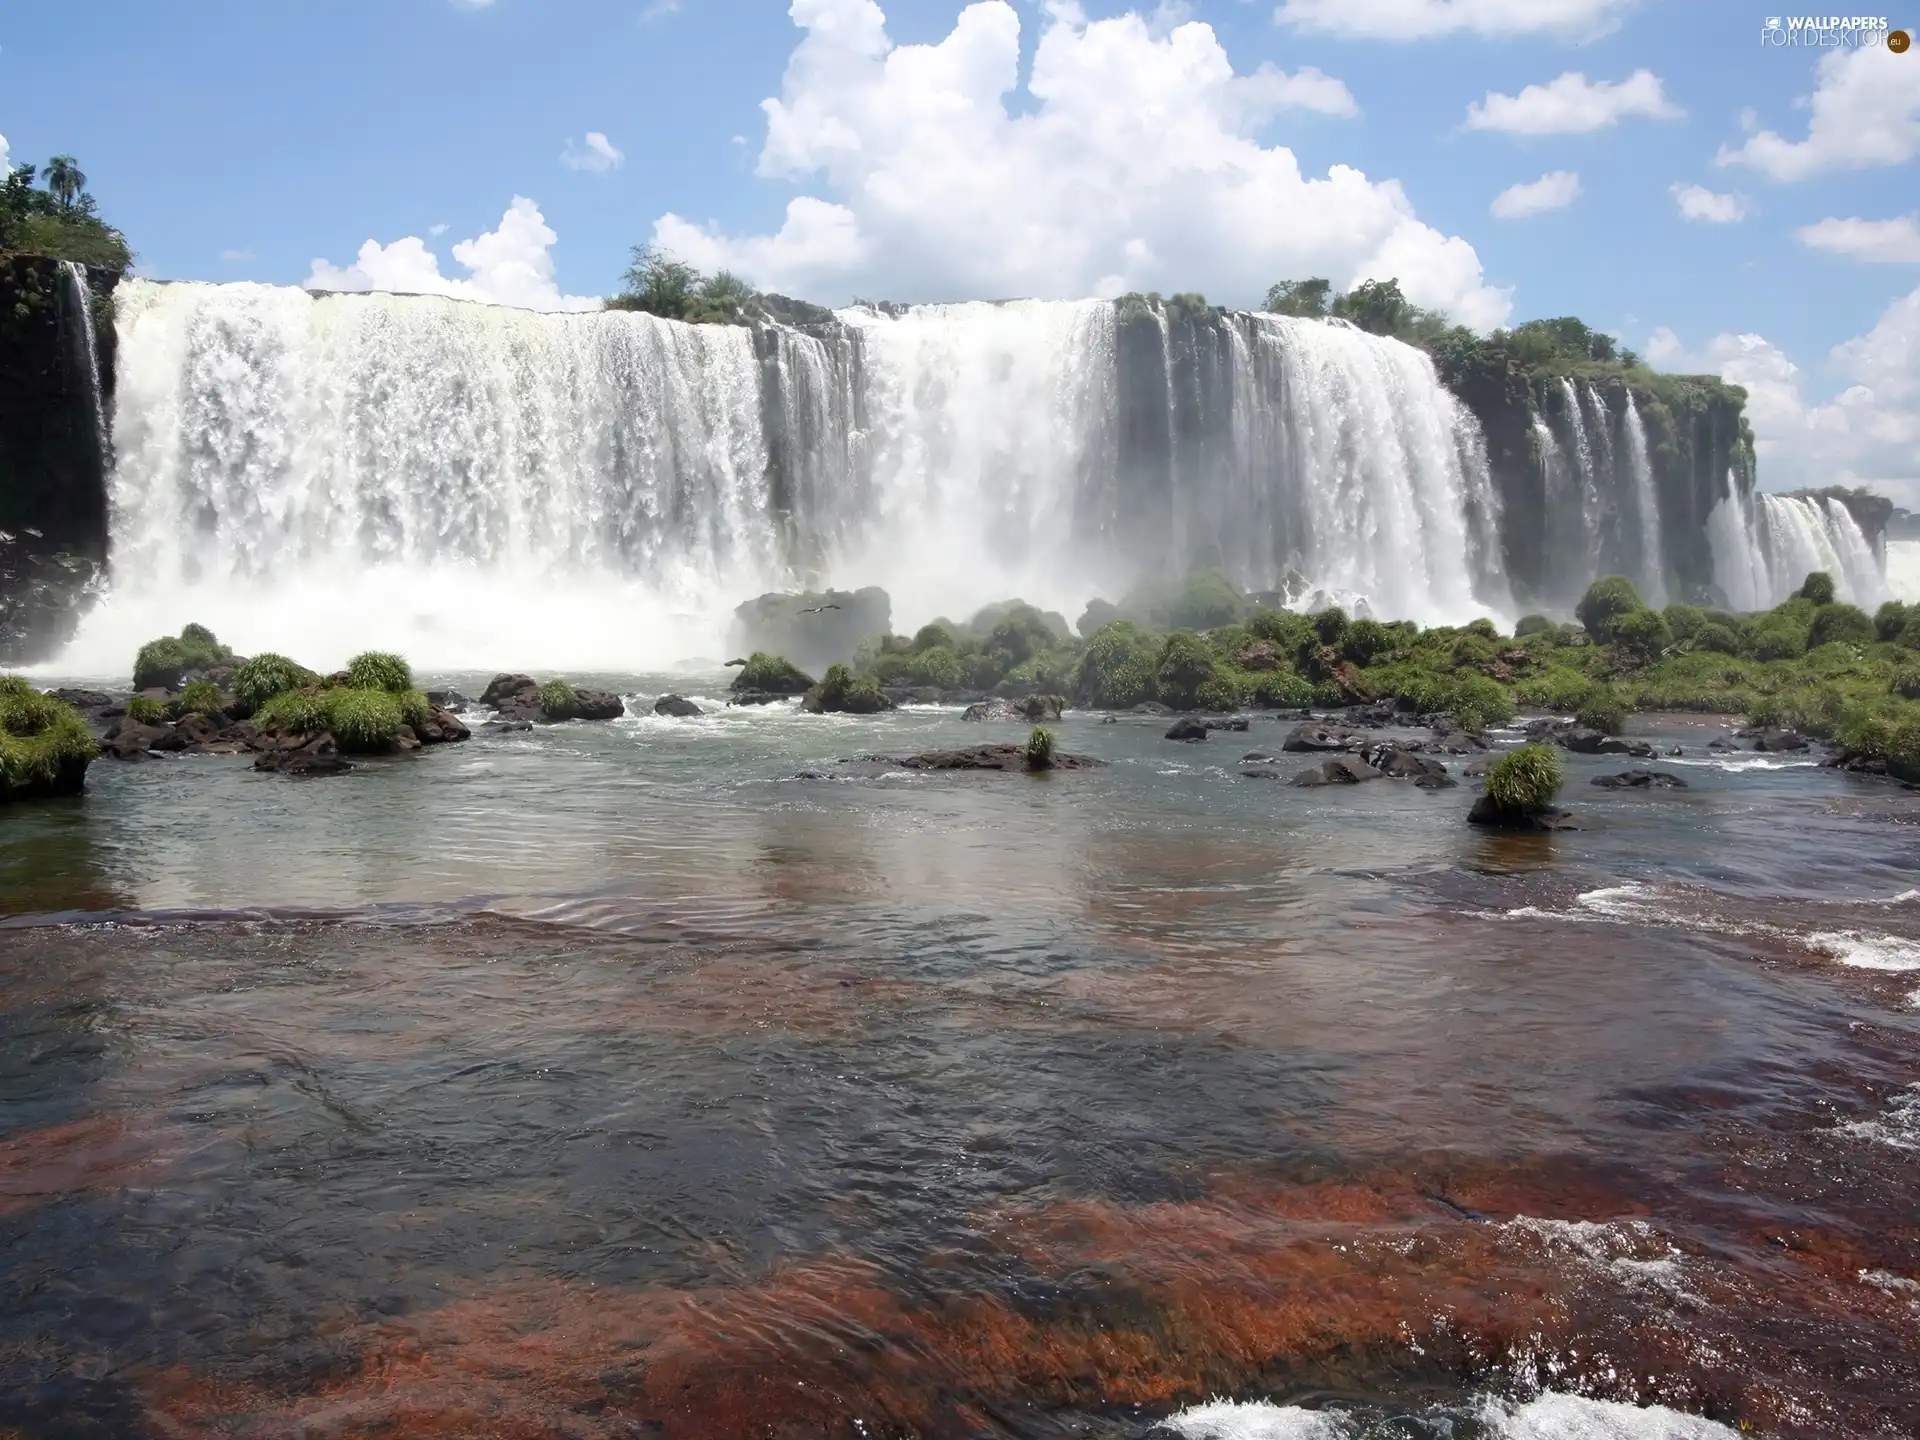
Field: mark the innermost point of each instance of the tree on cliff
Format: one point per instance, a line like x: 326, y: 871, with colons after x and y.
x: 65, y: 179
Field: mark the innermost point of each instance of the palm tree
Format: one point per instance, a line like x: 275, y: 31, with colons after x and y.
x: 65, y: 179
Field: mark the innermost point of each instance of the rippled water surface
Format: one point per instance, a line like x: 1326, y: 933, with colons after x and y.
x: 610, y: 1080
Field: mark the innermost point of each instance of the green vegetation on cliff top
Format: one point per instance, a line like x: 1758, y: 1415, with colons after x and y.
x: 60, y: 219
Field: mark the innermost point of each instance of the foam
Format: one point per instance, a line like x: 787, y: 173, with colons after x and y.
x: 1899, y: 1127
x: 1868, y: 952
x: 1551, y: 1416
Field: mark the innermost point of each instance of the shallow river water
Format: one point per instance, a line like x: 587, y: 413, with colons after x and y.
x: 612, y: 1081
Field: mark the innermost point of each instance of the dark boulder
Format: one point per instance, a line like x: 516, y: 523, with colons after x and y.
x: 1583, y: 741
x: 993, y: 710
x: 1315, y: 736
x: 443, y: 728
x: 1497, y: 817
x: 1640, y: 780
x: 314, y: 757
x: 1477, y: 769
x: 504, y: 690
x: 1256, y: 757
x: 1187, y: 728
x: 1783, y: 742
x: 1338, y: 770
x: 1398, y: 764
x: 594, y: 705
x: 505, y: 727
x: 676, y: 705
x: 1456, y: 742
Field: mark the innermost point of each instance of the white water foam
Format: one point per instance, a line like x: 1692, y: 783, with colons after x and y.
x: 1868, y: 952
x: 1629, y: 1252
x: 1551, y: 1416
x: 1898, y: 1127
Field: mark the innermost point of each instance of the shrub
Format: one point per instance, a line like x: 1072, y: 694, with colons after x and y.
x: 772, y: 674
x: 1329, y: 625
x: 1184, y: 665
x: 937, y: 666
x: 415, y: 709
x: 1482, y: 627
x: 1366, y: 639
x: 1685, y: 621
x: 1040, y: 748
x: 363, y: 720
x: 265, y: 676
x: 1281, y: 627
x: 1890, y: 737
x: 162, y: 662
x: 145, y: 710
x: 1533, y: 625
x: 1554, y: 688
x: 840, y: 690
x: 1906, y: 682
x: 1817, y: 587
x: 1524, y: 781
x: 1477, y: 701
x: 1221, y: 692
x: 41, y: 739
x: 376, y: 670
x: 1019, y: 635
x: 1282, y: 690
x: 1889, y: 620
x: 1778, y: 641
x: 1602, y: 709
x: 1473, y: 648
x: 557, y: 699
x: 202, y: 697
x: 1717, y: 638
x: 297, y: 712
x: 1640, y: 635
x: 1606, y: 601
x: 933, y: 636
x: 1844, y: 623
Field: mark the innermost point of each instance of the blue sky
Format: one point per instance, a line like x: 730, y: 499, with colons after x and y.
x: 236, y: 140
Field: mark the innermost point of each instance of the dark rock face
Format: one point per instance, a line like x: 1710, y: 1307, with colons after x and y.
x: 1485, y: 812
x: 1640, y: 780
x: 1315, y: 736
x: 974, y: 757
x: 1583, y: 741
x: 1339, y: 770
x: 444, y: 728
x: 676, y: 705
x: 596, y: 705
x: 53, y: 469
x: 1187, y: 728
x: 813, y: 629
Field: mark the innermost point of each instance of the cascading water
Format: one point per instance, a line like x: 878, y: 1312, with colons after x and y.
x: 1765, y: 545
x: 1653, y: 565
x: 482, y: 486
x: 80, y: 298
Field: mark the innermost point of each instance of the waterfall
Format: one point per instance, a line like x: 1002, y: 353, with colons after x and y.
x: 1653, y: 565
x: 1765, y: 546
x: 80, y: 297
x: 1586, y: 475
x: 482, y: 486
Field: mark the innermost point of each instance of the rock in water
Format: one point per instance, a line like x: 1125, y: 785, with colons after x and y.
x: 974, y: 757
x: 1187, y: 728
x: 1315, y: 736
x: 1497, y: 817
x: 1780, y: 741
x: 318, y: 756
x: 1583, y: 741
x: 1338, y: 770
x: 993, y: 710
x: 1640, y: 780
x: 814, y: 629
x: 676, y: 705
x: 1398, y: 764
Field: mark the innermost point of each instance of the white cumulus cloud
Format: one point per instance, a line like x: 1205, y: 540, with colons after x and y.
x: 1895, y: 241
x: 1555, y: 190
x: 1865, y: 112
x: 1430, y: 19
x: 508, y: 266
x: 1696, y: 202
x: 1571, y: 104
x: 597, y: 156
x: 1132, y: 161
x: 1867, y: 434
